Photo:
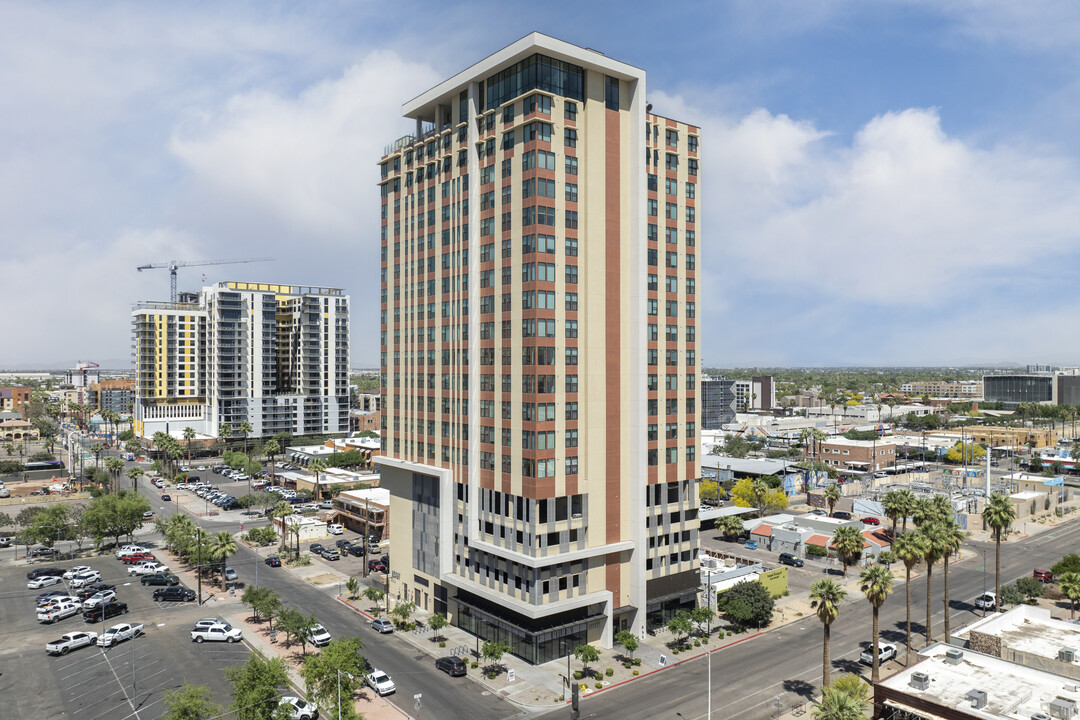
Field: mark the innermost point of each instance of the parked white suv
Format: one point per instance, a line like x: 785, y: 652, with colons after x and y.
x: 886, y: 652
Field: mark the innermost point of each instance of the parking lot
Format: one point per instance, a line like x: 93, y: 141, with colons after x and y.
x: 99, y: 684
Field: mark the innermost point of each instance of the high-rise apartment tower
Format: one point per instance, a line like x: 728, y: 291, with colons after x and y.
x: 539, y: 351
x: 275, y: 356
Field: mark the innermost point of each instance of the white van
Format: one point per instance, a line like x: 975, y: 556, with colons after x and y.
x: 335, y: 529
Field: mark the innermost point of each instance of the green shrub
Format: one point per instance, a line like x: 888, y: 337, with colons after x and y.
x: 599, y: 685
x: 697, y: 643
x: 609, y: 672
x: 675, y: 651
x: 637, y: 661
x: 1030, y: 587
x: 578, y: 675
x: 817, y: 551
x: 627, y: 664
x: 442, y: 643
x: 474, y: 665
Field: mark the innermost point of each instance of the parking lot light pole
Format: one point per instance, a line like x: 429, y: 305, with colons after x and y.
x: 351, y: 677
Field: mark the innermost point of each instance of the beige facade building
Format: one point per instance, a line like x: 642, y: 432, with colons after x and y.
x: 539, y: 361
x: 960, y: 389
x: 858, y: 455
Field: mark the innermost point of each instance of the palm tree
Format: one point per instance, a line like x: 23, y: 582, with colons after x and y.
x: 892, y: 506
x: 908, y: 503
x: 998, y: 515
x: 731, y: 526
x: 760, y: 490
x: 220, y: 547
x: 848, y: 543
x: 923, y: 512
x: 272, y: 448
x: 282, y: 510
x: 876, y: 583
x: 832, y: 496
x: 115, y: 466
x: 838, y: 705
x: 317, y: 466
x: 245, y: 430
x: 189, y: 435
x: 96, y: 449
x: 224, y: 433
x: 933, y: 549
x: 909, y: 548
x: 1069, y: 585
x: 825, y: 598
x: 952, y: 536
x: 134, y: 474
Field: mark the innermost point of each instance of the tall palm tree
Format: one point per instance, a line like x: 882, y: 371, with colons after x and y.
x: 832, y: 496
x: 826, y: 595
x: 952, y: 536
x: 760, y: 490
x: 189, y: 435
x: 272, y: 448
x: 933, y: 549
x: 317, y: 466
x: 1069, y: 585
x: 907, y: 500
x: 245, y: 430
x: 998, y: 515
x: 909, y: 548
x: 96, y: 449
x: 923, y: 512
x: 133, y: 475
x: 220, y: 547
x: 282, y: 510
x: 876, y: 583
x: 848, y: 543
x: 224, y: 433
x: 114, y: 466
x: 892, y: 506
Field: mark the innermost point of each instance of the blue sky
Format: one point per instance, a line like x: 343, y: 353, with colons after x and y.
x: 886, y: 183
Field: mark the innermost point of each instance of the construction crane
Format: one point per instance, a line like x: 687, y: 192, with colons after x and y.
x: 172, y: 266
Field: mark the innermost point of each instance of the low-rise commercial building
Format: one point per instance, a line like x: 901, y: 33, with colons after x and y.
x: 1027, y: 635
x: 365, y: 511
x: 950, y: 683
x: 858, y: 455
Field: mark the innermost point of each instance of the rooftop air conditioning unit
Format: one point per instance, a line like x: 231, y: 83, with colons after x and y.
x: 953, y: 656
x: 977, y: 698
x: 1067, y: 654
x: 920, y: 681
x: 1062, y: 708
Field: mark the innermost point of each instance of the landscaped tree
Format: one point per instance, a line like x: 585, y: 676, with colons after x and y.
x: 730, y: 526
x: 746, y: 604
x: 221, y: 547
x: 909, y: 548
x: 296, y: 626
x: 190, y: 702
x: 586, y: 654
x: 403, y: 611
x: 832, y: 495
x: 838, y: 705
x: 317, y: 466
x: 352, y: 586
x: 335, y: 672
x: 257, y: 686
x: 848, y: 543
x: 628, y: 641
x: 952, y: 536
x: 923, y: 512
x: 897, y: 505
x: 998, y: 515
x: 826, y: 595
x: 493, y: 652
x: 438, y: 622
x: 702, y: 616
x: 261, y: 600
x: 133, y: 474
x: 679, y: 625
x: 374, y: 595
x: 875, y: 582
x: 1069, y: 585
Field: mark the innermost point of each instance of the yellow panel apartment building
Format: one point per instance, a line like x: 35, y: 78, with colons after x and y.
x: 539, y: 351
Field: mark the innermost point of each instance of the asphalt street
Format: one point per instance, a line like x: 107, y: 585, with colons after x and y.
x: 748, y: 679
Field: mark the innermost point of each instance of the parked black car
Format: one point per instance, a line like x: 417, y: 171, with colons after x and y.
x: 842, y: 515
x: 110, y: 609
x: 452, y: 666
x: 789, y: 559
x: 42, y: 572
x: 316, y: 548
x: 355, y: 550
x: 343, y: 544
x: 273, y: 561
x: 175, y: 593
x: 160, y: 579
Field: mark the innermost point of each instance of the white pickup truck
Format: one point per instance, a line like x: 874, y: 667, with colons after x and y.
x: 58, y: 611
x: 216, y: 633
x: 119, y: 633
x: 149, y: 568
x: 70, y: 641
